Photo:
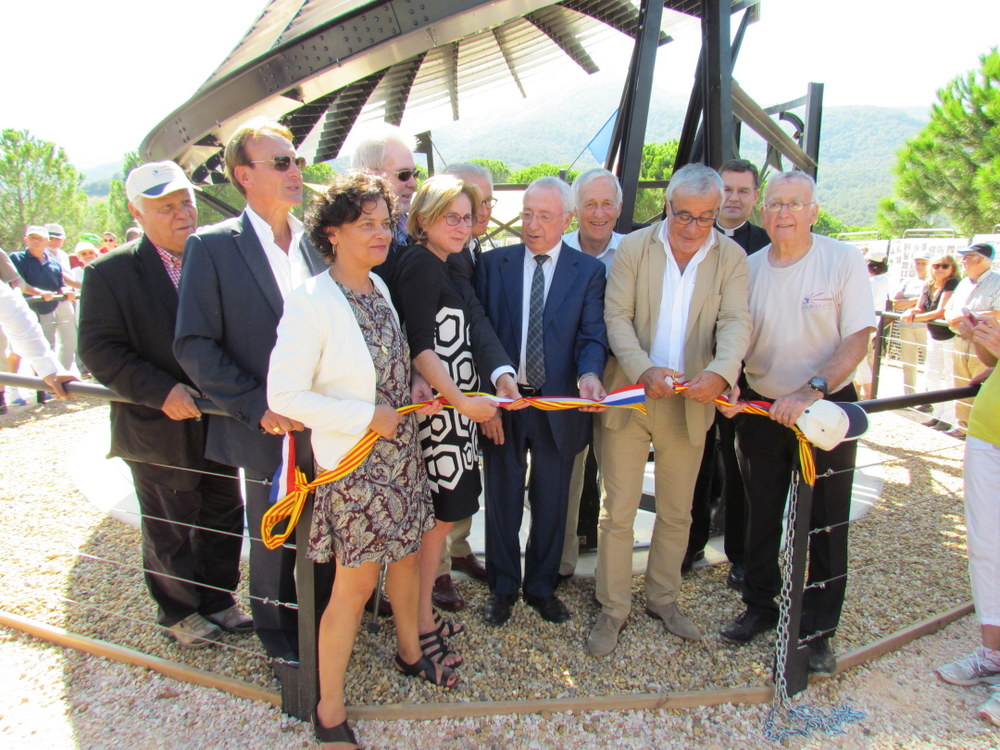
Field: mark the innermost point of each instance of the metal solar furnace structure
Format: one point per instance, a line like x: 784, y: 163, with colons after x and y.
x: 324, y: 66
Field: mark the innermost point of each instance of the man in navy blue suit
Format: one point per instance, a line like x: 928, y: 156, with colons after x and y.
x: 546, y: 303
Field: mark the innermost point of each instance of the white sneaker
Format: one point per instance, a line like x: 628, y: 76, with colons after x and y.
x: 232, y: 620
x: 194, y: 631
x: 973, y: 669
x: 991, y: 709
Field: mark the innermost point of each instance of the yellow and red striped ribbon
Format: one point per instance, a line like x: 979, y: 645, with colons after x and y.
x: 291, y: 505
x: 762, y: 408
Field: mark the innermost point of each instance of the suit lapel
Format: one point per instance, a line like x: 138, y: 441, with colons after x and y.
x: 563, y: 279
x: 253, y: 255
x: 512, y: 280
x: 155, y: 277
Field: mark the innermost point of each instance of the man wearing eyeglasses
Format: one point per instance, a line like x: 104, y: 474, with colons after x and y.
x: 979, y: 293
x: 676, y: 311
x: 546, y: 303
x: 812, y: 312
x: 236, y: 276
x: 389, y: 152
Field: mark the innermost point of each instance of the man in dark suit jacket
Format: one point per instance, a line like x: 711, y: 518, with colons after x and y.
x: 127, y: 317
x: 546, y: 303
x: 236, y: 275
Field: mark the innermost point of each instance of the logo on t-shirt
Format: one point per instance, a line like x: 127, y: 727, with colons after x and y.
x: 816, y: 301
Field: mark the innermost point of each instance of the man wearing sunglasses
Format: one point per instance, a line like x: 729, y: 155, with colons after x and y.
x: 812, y: 311
x: 231, y: 297
x: 676, y: 312
x: 389, y: 153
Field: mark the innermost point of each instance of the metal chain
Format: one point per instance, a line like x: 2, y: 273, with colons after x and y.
x: 800, y: 720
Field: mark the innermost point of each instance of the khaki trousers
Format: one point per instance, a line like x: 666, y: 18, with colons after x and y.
x: 966, y: 364
x: 622, y: 456
x: 456, y: 545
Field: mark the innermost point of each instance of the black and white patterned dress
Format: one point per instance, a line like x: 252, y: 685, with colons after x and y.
x: 434, y: 317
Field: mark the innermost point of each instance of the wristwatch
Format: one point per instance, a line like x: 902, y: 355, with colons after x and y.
x: 819, y: 384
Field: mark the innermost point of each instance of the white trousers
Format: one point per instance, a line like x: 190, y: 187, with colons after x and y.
x: 940, y: 375
x: 982, y: 523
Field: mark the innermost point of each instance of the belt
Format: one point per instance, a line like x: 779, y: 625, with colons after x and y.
x: 528, y: 390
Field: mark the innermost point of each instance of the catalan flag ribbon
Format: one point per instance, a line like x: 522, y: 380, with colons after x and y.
x: 763, y: 408
x: 293, y: 489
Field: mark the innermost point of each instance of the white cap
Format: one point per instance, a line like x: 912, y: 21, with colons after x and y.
x: 156, y: 179
x: 826, y: 424
x: 37, y: 230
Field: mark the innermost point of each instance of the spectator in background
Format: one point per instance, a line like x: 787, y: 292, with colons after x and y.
x: 109, y: 241
x: 982, y: 519
x: 236, y: 276
x: 57, y: 238
x: 388, y: 152
x: 85, y: 253
x: 878, y: 268
x: 19, y: 327
x: 597, y: 195
x: 978, y: 292
x: 132, y: 234
x: 929, y: 310
x: 912, y: 335
x: 341, y: 364
x: 742, y: 188
x: 46, y: 275
x: 192, y: 524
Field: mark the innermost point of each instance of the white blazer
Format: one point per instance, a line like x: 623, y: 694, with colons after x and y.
x: 321, y: 372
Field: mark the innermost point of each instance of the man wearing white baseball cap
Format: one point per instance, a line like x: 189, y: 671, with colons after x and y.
x: 127, y: 318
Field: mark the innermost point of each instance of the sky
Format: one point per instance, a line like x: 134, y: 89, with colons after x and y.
x: 96, y: 77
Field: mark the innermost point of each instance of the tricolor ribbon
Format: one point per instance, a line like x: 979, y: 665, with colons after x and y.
x: 297, y: 489
x: 763, y: 408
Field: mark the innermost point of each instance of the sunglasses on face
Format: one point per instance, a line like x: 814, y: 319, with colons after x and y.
x: 405, y: 175
x: 282, y: 163
x: 939, y: 266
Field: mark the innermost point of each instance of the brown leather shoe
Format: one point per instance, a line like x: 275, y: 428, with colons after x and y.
x: 471, y: 566
x: 445, y: 595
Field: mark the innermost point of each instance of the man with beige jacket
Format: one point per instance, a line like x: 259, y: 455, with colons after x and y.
x: 676, y: 311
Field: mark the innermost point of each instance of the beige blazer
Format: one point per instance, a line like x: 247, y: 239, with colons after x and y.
x: 718, y: 328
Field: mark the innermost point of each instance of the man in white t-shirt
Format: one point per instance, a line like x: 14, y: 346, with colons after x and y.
x: 812, y: 311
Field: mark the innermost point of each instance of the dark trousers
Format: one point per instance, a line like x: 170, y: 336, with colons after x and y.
x: 272, y: 574
x: 767, y: 451
x: 178, y: 558
x: 548, y: 492
x: 719, y: 482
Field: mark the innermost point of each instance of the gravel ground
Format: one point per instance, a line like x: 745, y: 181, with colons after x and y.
x: 908, y: 554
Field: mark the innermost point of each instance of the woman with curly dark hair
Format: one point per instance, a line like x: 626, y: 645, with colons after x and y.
x: 341, y: 366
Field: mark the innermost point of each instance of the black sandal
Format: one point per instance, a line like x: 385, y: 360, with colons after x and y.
x: 447, y: 628
x: 437, y: 650
x: 434, y: 672
x: 340, y: 733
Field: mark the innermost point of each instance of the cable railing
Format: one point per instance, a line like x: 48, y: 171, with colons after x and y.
x: 298, y: 679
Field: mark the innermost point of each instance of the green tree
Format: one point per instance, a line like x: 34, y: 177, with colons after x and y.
x: 37, y: 185
x: 500, y: 171
x: 532, y: 173
x: 657, y: 164
x: 952, y: 167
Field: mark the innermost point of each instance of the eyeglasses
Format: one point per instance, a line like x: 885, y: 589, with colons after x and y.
x: 939, y: 266
x: 795, y: 206
x: 543, y: 218
x: 489, y: 204
x: 405, y: 175
x: 282, y: 163
x: 684, y: 218
x: 453, y: 220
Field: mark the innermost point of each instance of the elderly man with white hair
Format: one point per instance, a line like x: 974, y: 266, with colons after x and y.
x: 676, y: 311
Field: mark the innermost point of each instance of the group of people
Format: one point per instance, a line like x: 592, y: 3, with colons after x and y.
x: 384, y: 297
x: 42, y: 271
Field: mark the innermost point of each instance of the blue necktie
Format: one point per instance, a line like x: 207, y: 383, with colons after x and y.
x: 534, y: 353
